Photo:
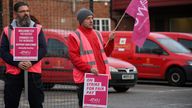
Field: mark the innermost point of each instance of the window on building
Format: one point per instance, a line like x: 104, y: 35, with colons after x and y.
x: 102, y: 24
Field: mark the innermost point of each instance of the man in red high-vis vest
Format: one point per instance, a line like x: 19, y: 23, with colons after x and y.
x: 87, y: 51
x: 14, y: 77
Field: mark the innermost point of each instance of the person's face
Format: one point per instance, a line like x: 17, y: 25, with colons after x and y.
x: 88, y: 22
x: 22, y: 16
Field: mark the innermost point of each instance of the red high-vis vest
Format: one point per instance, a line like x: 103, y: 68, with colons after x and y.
x: 36, y: 68
x: 86, y: 54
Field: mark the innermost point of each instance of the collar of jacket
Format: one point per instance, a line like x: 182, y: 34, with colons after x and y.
x: 13, y: 24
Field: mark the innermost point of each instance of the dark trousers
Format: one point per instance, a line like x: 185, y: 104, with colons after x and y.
x: 14, y: 85
x: 80, y: 93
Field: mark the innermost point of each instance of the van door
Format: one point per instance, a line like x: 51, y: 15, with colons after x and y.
x: 56, y: 66
x: 149, y: 61
x: 123, y: 48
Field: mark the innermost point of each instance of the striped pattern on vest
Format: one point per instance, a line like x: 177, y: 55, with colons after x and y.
x: 86, y: 54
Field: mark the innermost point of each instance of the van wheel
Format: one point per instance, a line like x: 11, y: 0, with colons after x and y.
x: 120, y: 89
x: 48, y: 85
x: 176, y: 77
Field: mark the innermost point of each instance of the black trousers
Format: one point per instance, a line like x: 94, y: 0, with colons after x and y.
x: 14, y: 85
x: 80, y: 93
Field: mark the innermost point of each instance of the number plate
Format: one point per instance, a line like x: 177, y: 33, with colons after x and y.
x: 126, y: 77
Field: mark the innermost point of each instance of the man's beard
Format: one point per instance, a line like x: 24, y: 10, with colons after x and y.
x: 24, y: 22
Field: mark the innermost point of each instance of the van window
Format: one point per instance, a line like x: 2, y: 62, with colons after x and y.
x: 148, y: 47
x: 56, y: 48
x: 173, y: 45
x: 186, y: 43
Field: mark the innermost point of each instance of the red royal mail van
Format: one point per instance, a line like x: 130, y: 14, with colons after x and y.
x: 160, y: 57
x: 57, y: 67
x: 184, y: 38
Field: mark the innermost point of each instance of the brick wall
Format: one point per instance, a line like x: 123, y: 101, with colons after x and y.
x: 5, y: 13
x: 58, y: 14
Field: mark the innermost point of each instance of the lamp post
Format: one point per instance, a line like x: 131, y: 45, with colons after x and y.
x: 10, y: 10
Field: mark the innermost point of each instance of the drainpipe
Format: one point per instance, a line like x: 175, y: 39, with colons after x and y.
x: 10, y: 10
x: 73, y: 6
x: 91, y: 5
x: 1, y: 15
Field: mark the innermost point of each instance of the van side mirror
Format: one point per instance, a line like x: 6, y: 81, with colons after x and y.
x: 157, y: 51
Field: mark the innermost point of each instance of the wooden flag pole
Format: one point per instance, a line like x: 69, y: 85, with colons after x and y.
x: 116, y: 26
x: 119, y: 22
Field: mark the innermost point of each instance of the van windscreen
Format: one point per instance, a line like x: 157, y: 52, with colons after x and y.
x: 173, y: 45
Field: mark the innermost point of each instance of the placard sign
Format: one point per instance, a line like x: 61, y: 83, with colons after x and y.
x: 25, y: 44
x: 95, y: 91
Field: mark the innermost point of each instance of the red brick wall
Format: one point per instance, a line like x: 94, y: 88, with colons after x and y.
x: 58, y: 14
x: 102, y: 9
x: 5, y: 13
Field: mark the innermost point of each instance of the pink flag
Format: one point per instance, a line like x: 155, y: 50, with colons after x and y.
x: 138, y: 9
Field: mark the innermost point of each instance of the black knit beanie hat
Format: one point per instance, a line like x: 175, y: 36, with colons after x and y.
x: 82, y: 14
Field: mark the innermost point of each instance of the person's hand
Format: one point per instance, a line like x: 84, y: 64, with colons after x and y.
x: 112, y: 35
x: 24, y: 65
x: 94, y: 71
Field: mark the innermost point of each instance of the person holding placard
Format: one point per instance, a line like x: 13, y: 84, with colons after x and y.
x: 87, y: 50
x: 14, y: 77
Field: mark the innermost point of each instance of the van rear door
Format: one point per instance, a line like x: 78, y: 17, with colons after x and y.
x: 56, y: 66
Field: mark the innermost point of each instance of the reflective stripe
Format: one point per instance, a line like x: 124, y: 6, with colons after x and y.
x: 98, y: 34
x: 106, y: 61
x: 82, y: 51
x: 81, y: 44
x: 102, y: 50
x: 92, y: 63
x: 9, y: 37
x: 87, y: 52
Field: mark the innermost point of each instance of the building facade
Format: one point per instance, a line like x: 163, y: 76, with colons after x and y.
x: 59, y: 14
x: 165, y: 15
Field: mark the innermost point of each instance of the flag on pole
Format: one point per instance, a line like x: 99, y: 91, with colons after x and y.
x: 138, y: 9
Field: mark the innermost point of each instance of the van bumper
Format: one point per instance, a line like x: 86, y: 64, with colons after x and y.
x: 188, y: 70
x: 119, y: 79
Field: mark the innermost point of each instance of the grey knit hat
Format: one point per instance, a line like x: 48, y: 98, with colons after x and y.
x: 82, y: 14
